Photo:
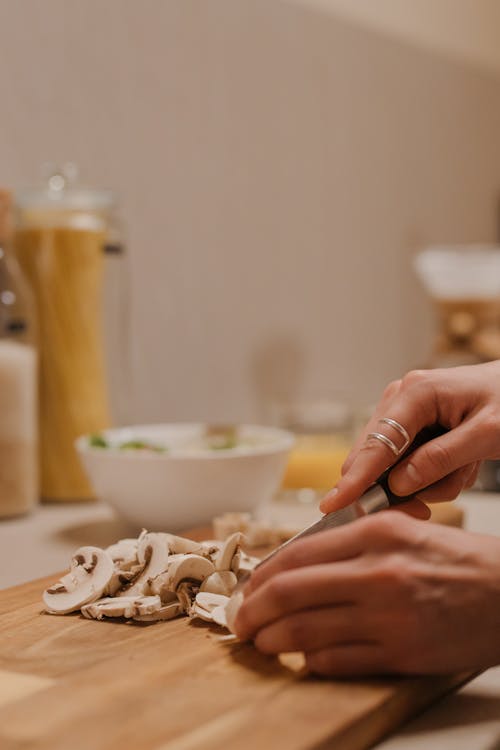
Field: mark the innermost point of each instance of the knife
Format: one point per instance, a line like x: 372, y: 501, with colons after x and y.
x: 376, y: 498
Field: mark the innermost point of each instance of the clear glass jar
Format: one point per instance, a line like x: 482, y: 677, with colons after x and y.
x: 18, y: 381
x: 69, y: 243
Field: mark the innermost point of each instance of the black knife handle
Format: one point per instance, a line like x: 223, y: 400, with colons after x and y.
x: 422, y: 437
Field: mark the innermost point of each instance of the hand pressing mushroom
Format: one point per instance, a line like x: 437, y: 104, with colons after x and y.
x: 91, y: 571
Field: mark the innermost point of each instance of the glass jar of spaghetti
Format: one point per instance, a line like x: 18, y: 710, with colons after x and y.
x: 68, y: 242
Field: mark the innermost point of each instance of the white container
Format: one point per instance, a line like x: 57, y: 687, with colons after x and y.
x: 18, y: 429
x: 185, y: 486
x: 18, y: 381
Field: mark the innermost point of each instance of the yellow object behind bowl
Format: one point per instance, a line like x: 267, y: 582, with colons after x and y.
x: 315, y: 462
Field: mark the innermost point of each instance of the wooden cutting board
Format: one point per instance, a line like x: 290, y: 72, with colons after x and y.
x: 67, y: 682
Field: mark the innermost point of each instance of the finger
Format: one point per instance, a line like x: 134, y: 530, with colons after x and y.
x: 380, y: 410
x: 311, y: 630
x: 473, y: 477
x: 295, y: 590
x: 373, y: 456
x: 348, y: 660
x: 448, y: 488
x: 433, y: 461
x: 415, y: 507
x: 341, y: 543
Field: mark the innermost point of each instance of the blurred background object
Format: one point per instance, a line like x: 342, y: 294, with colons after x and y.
x: 65, y: 239
x: 18, y: 380
x: 464, y: 285
x: 324, y: 432
x: 279, y: 163
x: 463, y: 282
x: 176, y: 476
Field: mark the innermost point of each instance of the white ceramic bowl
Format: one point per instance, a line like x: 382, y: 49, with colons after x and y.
x: 184, y: 486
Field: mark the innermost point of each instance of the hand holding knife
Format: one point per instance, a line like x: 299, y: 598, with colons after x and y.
x: 376, y: 498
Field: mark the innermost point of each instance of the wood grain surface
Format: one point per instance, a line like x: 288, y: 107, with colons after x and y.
x: 71, y: 683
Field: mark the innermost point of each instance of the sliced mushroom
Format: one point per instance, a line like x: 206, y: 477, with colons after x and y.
x: 152, y: 552
x: 210, y: 601
x: 179, y: 545
x: 122, y: 606
x: 186, y: 593
x: 162, y: 583
x: 198, y: 612
x: 205, y: 604
x: 232, y: 608
x: 167, y: 612
x: 243, y: 564
x: 210, y: 548
x: 188, y: 567
x: 91, y: 571
x: 124, y: 553
x: 221, y: 582
x: 226, y: 554
x: 219, y: 616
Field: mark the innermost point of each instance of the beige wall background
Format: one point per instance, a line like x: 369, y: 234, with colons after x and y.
x: 278, y: 165
x: 461, y: 29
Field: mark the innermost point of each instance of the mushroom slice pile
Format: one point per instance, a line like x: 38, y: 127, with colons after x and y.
x: 155, y: 577
x: 91, y: 571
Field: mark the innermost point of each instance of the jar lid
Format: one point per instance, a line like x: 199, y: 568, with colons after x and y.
x: 61, y: 191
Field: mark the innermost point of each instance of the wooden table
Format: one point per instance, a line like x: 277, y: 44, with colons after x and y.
x: 67, y: 682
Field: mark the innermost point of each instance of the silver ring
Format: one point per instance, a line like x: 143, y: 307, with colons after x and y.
x: 399, y: 428
x: 386, y: 441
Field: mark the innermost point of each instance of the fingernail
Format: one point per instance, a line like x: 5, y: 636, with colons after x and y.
x: 405, y: 480
x: 325, y: 501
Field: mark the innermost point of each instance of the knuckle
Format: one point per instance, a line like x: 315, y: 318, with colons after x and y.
x: 435, y: 455
x: 490, y: 427
x: 391, y: 390
x: 415, y: 377
x: 387, y: 526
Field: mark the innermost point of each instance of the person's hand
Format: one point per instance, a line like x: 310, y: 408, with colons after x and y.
x: 385, y: 594
x: 466, y: 400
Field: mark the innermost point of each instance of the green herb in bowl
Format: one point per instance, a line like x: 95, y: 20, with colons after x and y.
x: 96, y: 440
x: 141, y: 445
